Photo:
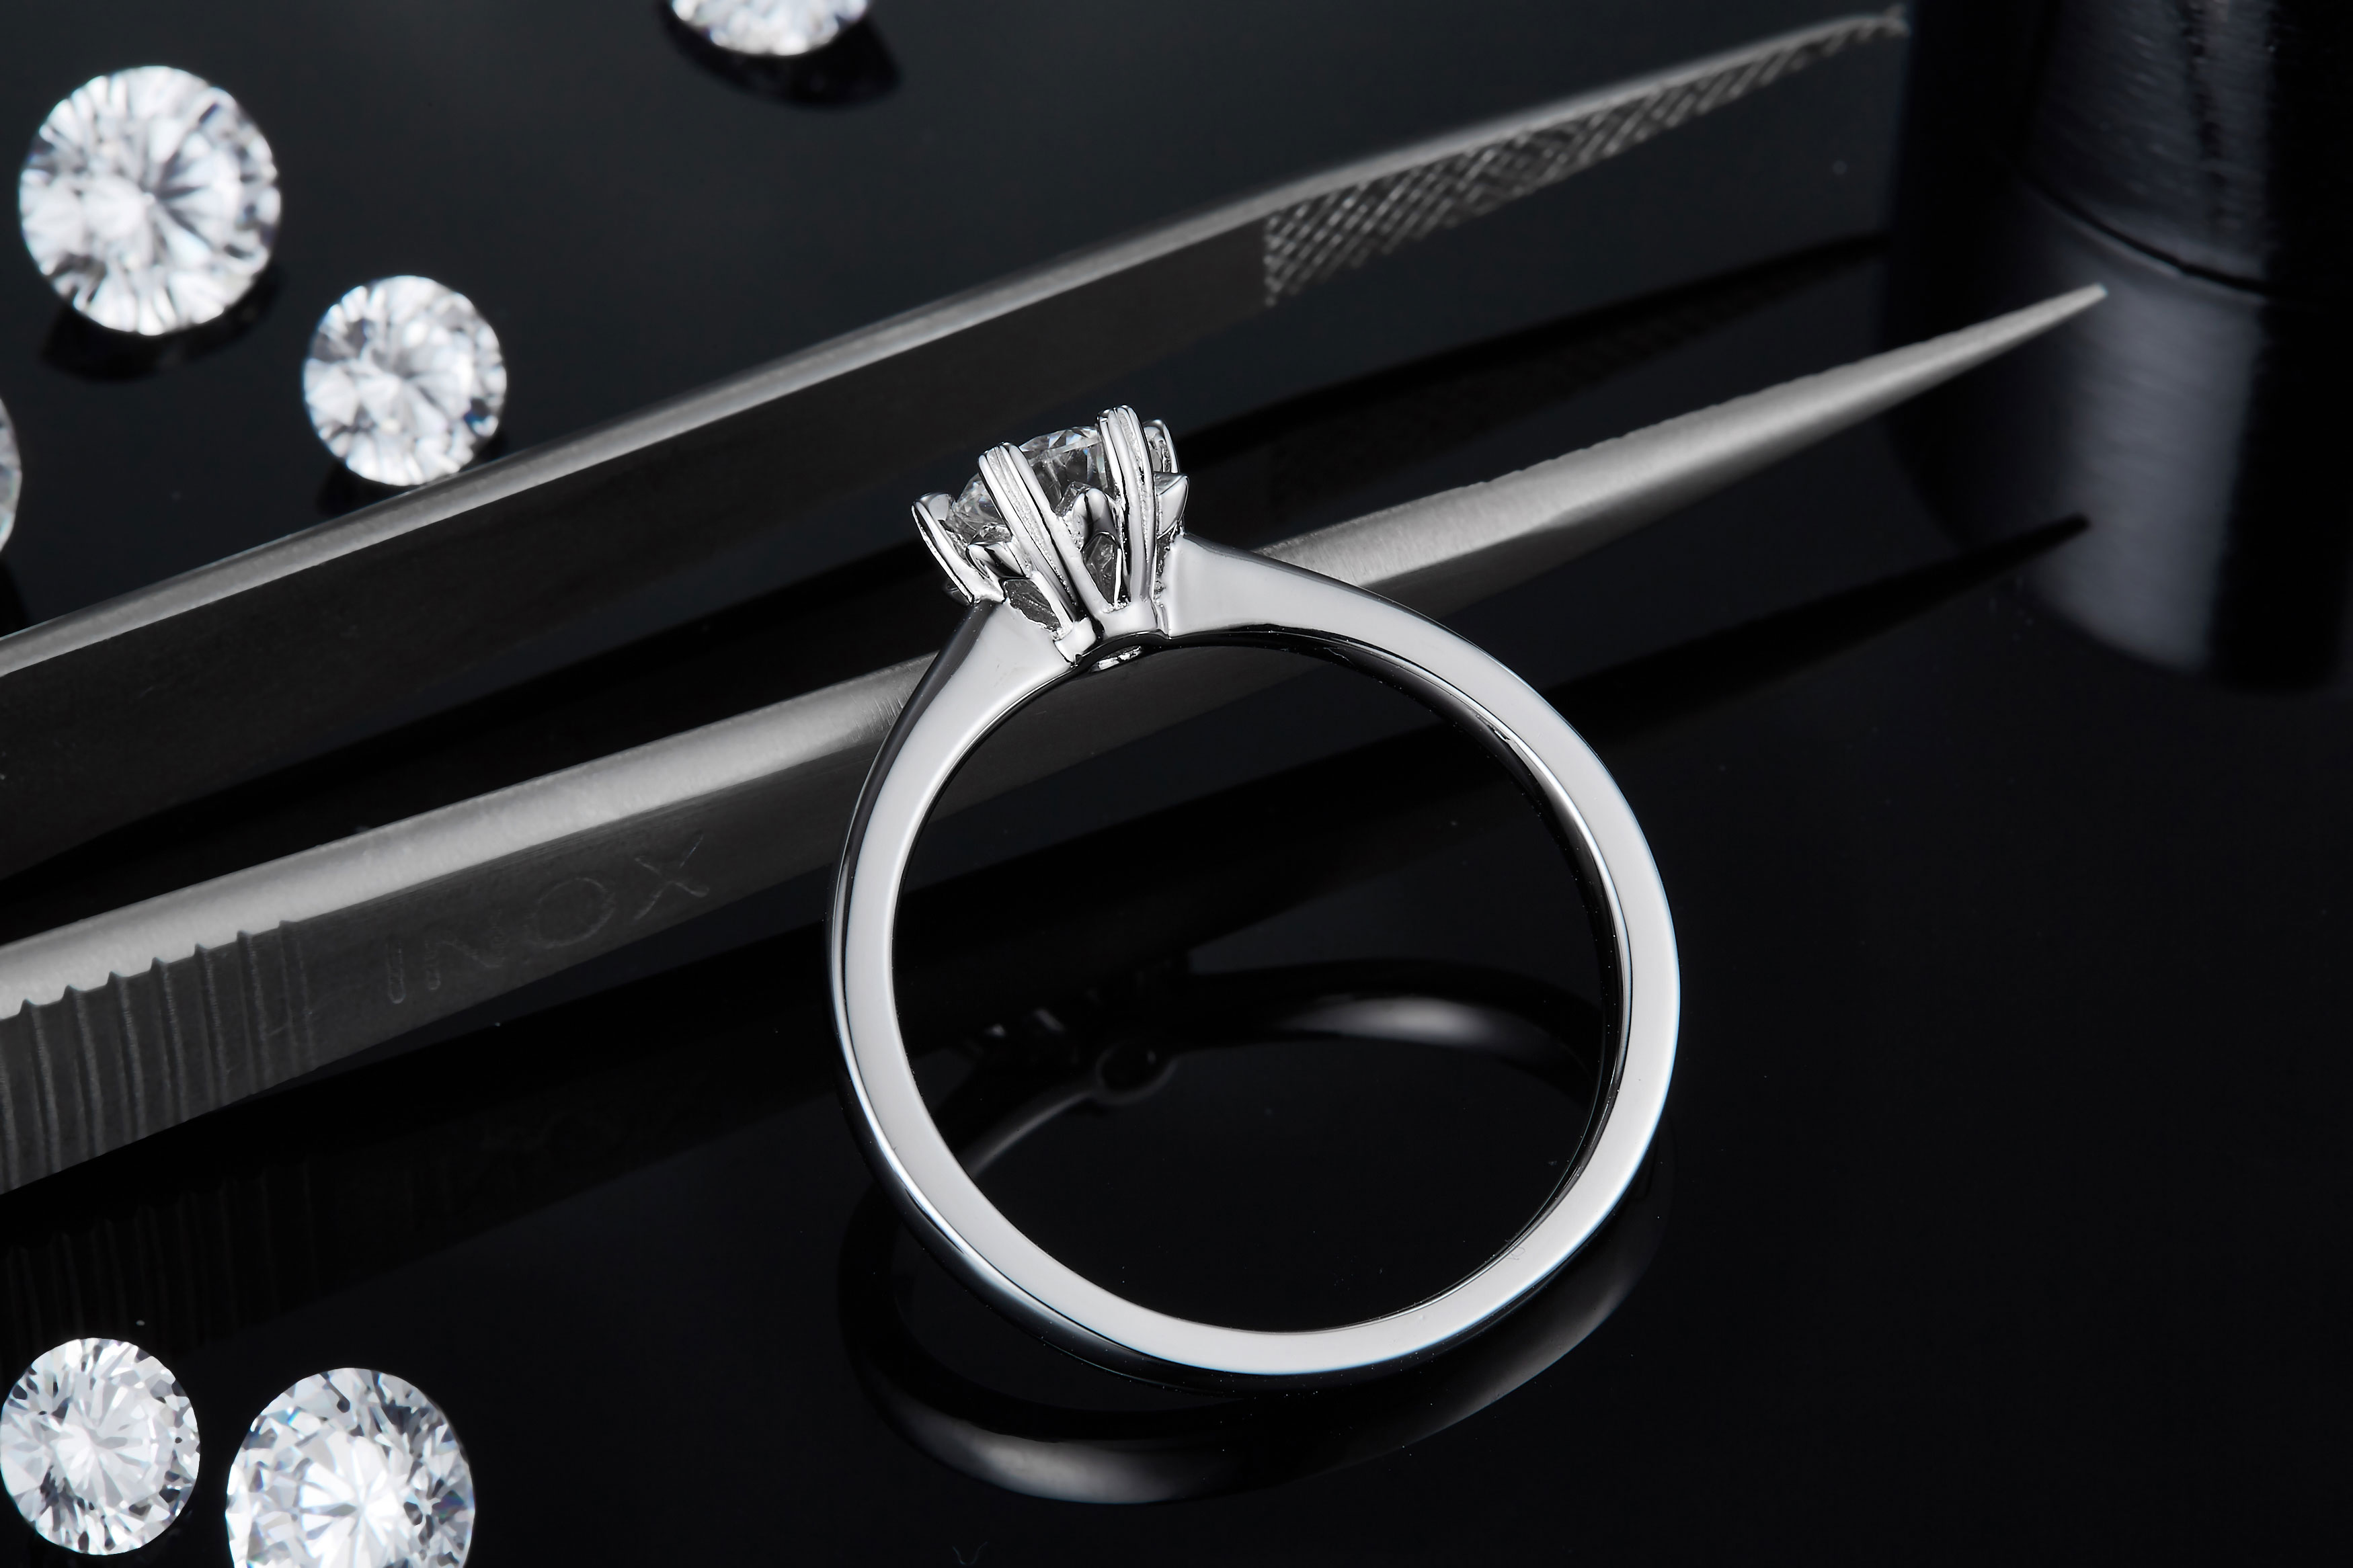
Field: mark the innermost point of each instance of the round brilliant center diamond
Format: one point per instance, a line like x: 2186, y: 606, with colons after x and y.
x: 351, y: 1470
x: 405, y: 381
x: 98, y: 1446
x: 149, y: 200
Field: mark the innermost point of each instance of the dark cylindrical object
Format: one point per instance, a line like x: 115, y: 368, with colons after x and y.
x: 2191, y: 155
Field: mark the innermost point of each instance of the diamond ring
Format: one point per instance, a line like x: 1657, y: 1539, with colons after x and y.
x: 1072, y: 554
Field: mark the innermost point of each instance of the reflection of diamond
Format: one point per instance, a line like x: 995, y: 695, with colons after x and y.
x: 352, y: 1469
x: 405, y: 380
x: 98, y: 1446
x: 149, y: 200
x: 12, y: 476
x: 769, y: 26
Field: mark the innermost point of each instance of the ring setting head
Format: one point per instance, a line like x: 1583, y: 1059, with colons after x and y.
x: 1070, y: 529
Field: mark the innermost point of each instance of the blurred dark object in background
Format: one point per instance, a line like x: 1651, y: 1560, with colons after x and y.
x: 2191, y: 154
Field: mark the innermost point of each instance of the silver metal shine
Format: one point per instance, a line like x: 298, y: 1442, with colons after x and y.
x: 112, y: 712
x: 1191, y: 594
x: 123, y: 1024
x: 1393, y: 201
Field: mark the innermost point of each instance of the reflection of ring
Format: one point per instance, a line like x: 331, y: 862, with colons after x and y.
x: 1072, y: 554
x: 1136, y: 1456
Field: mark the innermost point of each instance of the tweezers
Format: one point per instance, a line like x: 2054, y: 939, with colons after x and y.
x: 112, y: 712
x: 118, y: 1027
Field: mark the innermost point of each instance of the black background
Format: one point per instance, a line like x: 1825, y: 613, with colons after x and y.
x: 2010, y: 1192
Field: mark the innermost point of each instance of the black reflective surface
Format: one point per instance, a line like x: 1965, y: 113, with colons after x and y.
x: 2009, y: 1177
x: 2188, y: 158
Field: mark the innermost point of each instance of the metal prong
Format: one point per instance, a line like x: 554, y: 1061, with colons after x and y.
x: 1022, y: 499
x: 1013, y: 488
x: 1022, y: 504
x: 1128, y: 455
x: 1174, y: 491
x: 966, y: 581
x: 1162, y: 445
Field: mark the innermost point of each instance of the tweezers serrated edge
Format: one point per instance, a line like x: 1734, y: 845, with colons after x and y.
x: 1387, y: 202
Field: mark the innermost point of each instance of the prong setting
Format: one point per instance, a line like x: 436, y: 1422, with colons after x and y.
x: 1073, y: 530
x: 968, y: 581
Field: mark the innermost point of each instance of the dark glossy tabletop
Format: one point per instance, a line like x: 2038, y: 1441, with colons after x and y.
x: 2003, y: 1204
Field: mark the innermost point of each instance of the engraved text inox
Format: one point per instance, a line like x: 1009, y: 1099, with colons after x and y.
x: 571, y: 909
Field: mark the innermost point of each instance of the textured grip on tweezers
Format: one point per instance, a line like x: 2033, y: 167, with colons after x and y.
x: 99, y: 1068
x: 1340, y: 230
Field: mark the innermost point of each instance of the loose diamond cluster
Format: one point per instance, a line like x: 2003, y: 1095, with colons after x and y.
x: 98, y: 1446
x: 405, y: 381
x: 346, y: 1470
x: 12, y: 476
x: 149, y: 200
x: 351, y: 1470
x: 1070, y: 529
x: 769, y: 26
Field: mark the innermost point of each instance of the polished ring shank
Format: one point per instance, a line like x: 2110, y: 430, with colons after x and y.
x: 1202, y: 593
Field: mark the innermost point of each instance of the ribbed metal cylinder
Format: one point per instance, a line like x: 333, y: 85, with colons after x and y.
x: 2187, y: 154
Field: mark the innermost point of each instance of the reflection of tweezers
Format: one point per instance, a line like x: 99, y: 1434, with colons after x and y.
x: 111, y: 713
x: 142, y: 1018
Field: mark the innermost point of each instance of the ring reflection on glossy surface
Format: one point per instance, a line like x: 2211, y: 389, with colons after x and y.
x: 1162, y: 1456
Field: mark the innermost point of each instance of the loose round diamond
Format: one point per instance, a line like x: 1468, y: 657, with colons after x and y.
x: 769, y: 26
x: 12, y: 476
x: 351, y: 1470
x: 98, y: 1446
x: 149, y: 200
x: 405, y: 380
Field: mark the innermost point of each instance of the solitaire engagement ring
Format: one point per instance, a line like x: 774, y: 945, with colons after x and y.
x: 1072, y: 554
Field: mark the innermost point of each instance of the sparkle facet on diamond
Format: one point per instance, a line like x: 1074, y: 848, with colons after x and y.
x: 1065, y: 460
x: 974, y: 518
x: 405, y: 381
x: 98, y: 1446
x: 769, y: 26
x: 149, y: 200
x: 1062, y: 462
x: 12, y: 477
x: 351, y: 1469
